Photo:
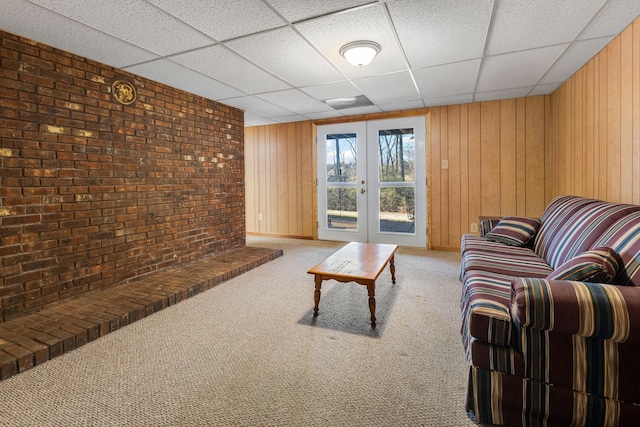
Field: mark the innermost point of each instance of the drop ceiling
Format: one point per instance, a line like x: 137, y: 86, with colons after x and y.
x: 278, y: 59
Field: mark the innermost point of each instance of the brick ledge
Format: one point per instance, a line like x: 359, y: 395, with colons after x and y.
x: 33, y: 339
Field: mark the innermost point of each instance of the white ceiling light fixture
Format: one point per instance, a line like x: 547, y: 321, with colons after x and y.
x: 360, y: 53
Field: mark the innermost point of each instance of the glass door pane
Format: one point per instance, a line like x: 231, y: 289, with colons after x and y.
x: 341, y: 173
x: 342, y: 196
x: 397, y: 179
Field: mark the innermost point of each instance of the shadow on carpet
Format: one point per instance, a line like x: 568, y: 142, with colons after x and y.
x: 345, y: 308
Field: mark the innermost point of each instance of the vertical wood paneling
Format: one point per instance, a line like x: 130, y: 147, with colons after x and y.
x: 635, y: 89
x: 454, y: 175
x: 250, y: 178
x: 613, y: 121
x: 508, y: 172
x: 490, y: 158
x: 626, y: 113
x: 435, y: 188
x: 535, y: 200
x: 464, y: 170
x: 521, y: 157
x: 279, y: 168
x: 496, y: 154
x: 475, y: 188
x: 599, y: 122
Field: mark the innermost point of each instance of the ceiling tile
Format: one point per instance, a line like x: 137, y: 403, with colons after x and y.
x: 612, y: 19
x: 516, y: 70
x: 330, y: 33
x: 447, y: 80
x: 573, y: 59
x: 168, y: 72
x: 295, y: 10
x: 255, y: 120
x: 449, y: 100
x: 223, y: 65
x: 142, y: 25
x: 439, y: 32
x: 257, y: 106
x: 295, y: 100
x: 223, y: 19
x: 389, y: 88
x: 332, y: 90
x: 288, y: 119
x: 525, y: 24
x: 544, y: 89
x: 361, y: 110
x: 502, y: 94
x: 63, y: 33
x: 324, y: 115
x: 296, y: 62
x: 399, y: 106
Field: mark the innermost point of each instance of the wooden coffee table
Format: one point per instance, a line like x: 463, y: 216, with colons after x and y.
x: 356, y: 262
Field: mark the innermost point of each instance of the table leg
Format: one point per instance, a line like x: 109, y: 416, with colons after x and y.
x: 392, y: 267
x: 371, y: 288
x: 316, y: 295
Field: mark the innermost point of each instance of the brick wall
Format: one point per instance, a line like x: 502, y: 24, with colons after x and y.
x: 94, y: 192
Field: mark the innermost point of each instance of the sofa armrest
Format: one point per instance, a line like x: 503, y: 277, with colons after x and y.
x: 602, y: 311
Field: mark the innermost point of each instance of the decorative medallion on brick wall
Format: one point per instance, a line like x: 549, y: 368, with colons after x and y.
x: 124, y: 92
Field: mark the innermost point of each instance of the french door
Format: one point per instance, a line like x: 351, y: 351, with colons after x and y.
x: 371, y: 181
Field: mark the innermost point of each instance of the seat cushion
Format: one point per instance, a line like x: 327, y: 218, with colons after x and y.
x: 509, y: 263
x: 471, y: 242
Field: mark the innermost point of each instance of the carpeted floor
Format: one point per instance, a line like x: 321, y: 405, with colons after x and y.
x: 250, y: 353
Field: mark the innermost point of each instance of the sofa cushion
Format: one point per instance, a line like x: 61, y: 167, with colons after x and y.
x: 571, y: 225
x: 597, y: 265
x: 471, y: 243
x: 624, y: 238
x: 514, y: 231
x: 520, y: 264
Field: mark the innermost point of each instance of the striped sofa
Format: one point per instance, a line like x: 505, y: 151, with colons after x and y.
x: 551, y: 327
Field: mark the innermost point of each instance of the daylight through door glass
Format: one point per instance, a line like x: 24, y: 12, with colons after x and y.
x: 342, y: 211
x: 396, y: 174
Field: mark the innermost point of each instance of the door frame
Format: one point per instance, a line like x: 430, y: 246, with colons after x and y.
x: 419, y: 124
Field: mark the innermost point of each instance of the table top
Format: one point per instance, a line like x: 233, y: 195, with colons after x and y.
x: 357, y: 260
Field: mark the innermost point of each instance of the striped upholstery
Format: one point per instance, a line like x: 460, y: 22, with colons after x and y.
x: 590, y: 310
x: 504, y: 399
x: 548, y: 352
x: 514, y: 231
x: 573, y: 225
x: 486, y: 225
x: 521, y: 264
x: 598, y: 265
x: 624, y: 238
x: 475, y: 243
x: 485, y: 305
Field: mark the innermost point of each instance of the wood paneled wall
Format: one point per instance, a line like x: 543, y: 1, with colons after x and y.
x: 595, y: 125
x: 495, y: 152
x: 496, y: 164
x: 280, y: 170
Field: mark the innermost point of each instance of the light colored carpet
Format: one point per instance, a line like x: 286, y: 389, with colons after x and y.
x: 249, y: 353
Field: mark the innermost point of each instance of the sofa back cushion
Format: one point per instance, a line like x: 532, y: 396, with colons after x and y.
x: 624, y: 238
x: 570, y: 225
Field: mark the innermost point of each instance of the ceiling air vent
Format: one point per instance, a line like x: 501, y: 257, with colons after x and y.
x: 348, y: 102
